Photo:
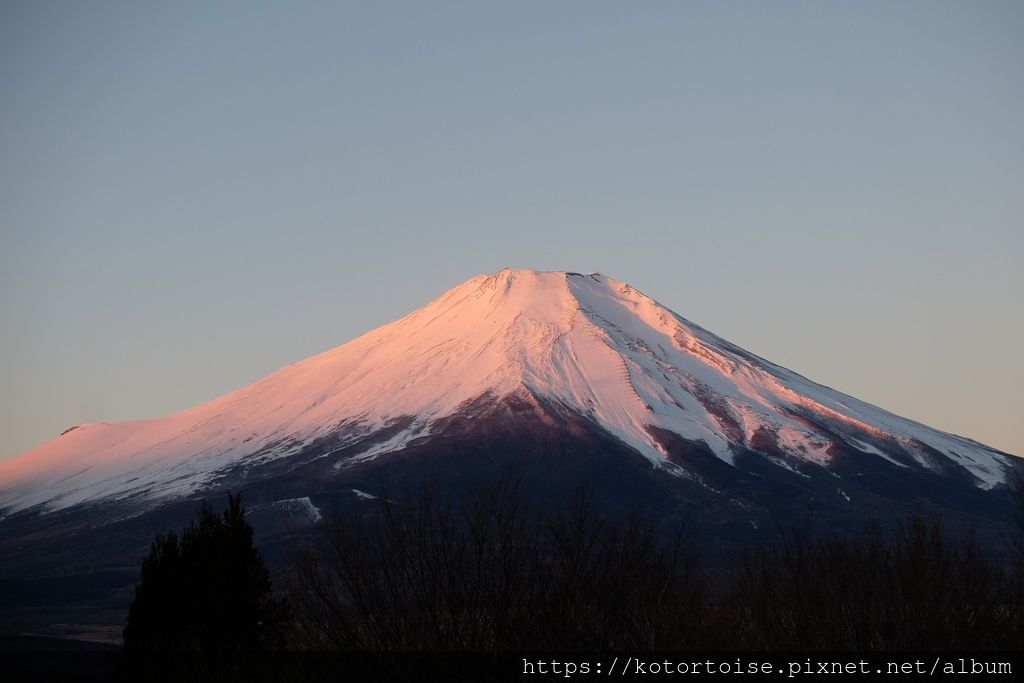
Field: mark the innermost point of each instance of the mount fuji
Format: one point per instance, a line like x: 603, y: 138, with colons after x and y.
x: 579, y: 380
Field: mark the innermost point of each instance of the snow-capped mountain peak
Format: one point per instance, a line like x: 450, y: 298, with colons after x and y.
x: 588, y: 344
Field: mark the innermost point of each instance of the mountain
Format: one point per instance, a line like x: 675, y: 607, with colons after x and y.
x: 581, y: 380
x: 584, y: 344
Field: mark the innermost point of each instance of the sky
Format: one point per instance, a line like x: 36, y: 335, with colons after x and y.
x: 194, y: 194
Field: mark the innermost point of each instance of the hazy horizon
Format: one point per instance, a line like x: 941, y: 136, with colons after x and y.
x: 192, y: 196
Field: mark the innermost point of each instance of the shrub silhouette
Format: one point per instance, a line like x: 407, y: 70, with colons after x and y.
x: 917, y: 587
x: 207, y: 591
x: 494, y: 575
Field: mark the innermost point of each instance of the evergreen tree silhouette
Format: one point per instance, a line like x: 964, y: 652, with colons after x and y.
x: 207, y: 590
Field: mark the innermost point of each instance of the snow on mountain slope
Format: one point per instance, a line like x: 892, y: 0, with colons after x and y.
x: 587, y: 342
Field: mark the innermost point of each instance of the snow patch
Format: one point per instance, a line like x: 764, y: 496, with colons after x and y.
x: 303, y: 507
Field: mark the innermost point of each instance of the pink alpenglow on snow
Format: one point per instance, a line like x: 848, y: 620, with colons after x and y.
x: 587, y: 342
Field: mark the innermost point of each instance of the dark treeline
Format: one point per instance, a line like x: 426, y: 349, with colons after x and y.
x: 496, y: 574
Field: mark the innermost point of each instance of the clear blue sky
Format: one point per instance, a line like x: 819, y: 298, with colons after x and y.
x: 194, y: 194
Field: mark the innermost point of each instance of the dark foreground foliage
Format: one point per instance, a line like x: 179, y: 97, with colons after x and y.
x: 496, y: 575
x: 206, y: 591
x: 422, y: 578
x: 915, y: 588
x: 436, y: 586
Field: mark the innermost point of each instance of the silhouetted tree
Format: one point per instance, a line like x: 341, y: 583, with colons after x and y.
x: 207, y: 591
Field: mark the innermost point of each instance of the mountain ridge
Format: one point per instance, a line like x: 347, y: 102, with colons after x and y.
x: 590, y: 342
